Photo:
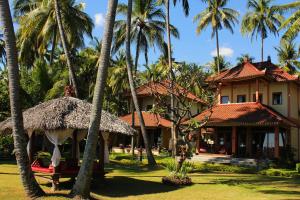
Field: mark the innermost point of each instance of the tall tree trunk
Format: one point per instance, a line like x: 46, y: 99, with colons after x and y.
x: 151, y: 160
x: 31, y: 186
x: 137, y: 53
x: 81, y: 187
x: 65, y: 47
x: 172, y: 76
x: 262, y: 48
x: 218, y: 51
x: 53, y: 46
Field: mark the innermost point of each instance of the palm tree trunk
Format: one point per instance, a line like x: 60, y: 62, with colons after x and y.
x: 218, y: 50
x: 151, y: 160
x: 53, y: 46
x: 64, y: 44
x: 137, y: 53
x: 31, y: 186
x: 172, y: 76
x: 262, y: 48
x: 81, y: 187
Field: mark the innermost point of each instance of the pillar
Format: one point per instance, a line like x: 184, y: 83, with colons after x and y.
x: 105, y: 136
x: 257, y: 91
x: 249, y: 142
x: 198, y: 142
x: 276, y: 142
x: 234, y: 140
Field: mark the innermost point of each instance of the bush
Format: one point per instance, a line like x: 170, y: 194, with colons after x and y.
x: 6, y: 145
x: 279, y: 172
x: 207, y: 167
x: 298, y: 167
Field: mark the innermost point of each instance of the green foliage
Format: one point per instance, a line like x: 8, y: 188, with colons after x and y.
x: 4, y: 95
x: 207, y: 167
x: 279, y: 172
x: 186, y: 168
x: 298, y: 167
x: 6, y: 145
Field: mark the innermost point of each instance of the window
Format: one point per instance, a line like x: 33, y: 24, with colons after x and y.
x: 224, y: 99
x: 149, y: 107
x: 277, y: 98
x: 260, y: 98
x: 241, y: 98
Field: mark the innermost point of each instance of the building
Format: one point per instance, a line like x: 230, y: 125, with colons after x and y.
x: 256, y: 115
x: 158, y: 126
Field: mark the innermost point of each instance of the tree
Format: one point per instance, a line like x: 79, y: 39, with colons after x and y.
x: 38, y: 32
x: 288, y: 56
x: 148, y: 28
x: 150, y: 157
x: 292, y: 23
x: 72, y: 75
x: 81, y: 187
x: 218, y: 64
x: 31, y: 186
x: 241, y: 59
x: 218, y: 16
x: 263, y: 18
x: 2, y: 53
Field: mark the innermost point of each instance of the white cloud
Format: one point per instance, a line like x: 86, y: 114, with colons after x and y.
x: 99, y: 19
x: 224, y: 51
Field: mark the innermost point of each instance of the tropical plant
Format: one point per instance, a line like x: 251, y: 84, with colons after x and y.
x: 2, y: 53
x: 218, y: 64
x: 81, y: 187
x: 31, y: 186
x: 288, y: 56
x: 38, y: 31
x: 241, y: 59
x: 148, y: 28
x: 218, y: 16
x: 292, y: 23
x: 263, y: 18
x: 150, y: 157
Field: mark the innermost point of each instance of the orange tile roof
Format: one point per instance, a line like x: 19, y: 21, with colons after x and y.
x: 163, y: 88
x: 243, y: 114
x: 151, y: 120
x: 249, y: 70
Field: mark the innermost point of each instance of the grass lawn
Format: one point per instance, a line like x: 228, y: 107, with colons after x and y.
x: 125, y: 182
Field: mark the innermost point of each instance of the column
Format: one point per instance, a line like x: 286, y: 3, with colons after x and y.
x: 233, y: 140
x: 198, y: 142
x: 249, y: 142
x: 276, y: 142
x: 106, y: 152
x: 257, y: 91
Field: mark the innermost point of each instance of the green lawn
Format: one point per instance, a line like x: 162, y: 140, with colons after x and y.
x: 142, y: 183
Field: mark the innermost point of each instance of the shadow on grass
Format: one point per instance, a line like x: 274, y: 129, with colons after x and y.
x: 119, y: 186
x: 283, y: 192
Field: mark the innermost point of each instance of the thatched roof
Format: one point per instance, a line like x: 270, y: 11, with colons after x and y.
x: 66, y: 113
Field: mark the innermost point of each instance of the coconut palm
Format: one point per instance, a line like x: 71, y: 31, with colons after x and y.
x: 218, y: 16
x: 148, y: 28
x: 2, y: 52
x: 241, y: 59
x: 293, y: 22
x: 288, y: 56
x: 31, y: 186
x: 81, y: 187
x: 263, y: 18
x: 38, y: 27
x: 218, y: 64
x: 128, y: 35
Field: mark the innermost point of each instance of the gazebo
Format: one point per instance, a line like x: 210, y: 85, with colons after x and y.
x: 60, y: 119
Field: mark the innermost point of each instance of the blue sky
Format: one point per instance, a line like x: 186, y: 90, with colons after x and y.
x: 193, y: 48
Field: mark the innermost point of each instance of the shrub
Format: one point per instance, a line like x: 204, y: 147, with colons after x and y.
x: 298, y: 167
x: 207, y: 167
x: 279, y: 172
x: 6, y: 145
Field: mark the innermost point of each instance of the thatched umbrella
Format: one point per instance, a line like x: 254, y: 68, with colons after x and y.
x: 66, y: 113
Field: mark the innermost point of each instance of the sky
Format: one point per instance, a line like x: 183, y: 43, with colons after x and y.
x: 198, y: 48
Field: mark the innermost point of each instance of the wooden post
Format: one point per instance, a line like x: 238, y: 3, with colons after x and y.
x: 249, y: 142
x: 276, y: 142
x: 257, y: 91
x: 198, y: 142
x: 289, y: 98
x: 233, y: 140
x: 101, y: 154
x: 231, y: 98
x: 219, y: 93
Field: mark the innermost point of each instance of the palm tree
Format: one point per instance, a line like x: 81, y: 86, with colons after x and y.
x: 72, y: 76
x: 218, y: 16
x: 150, y: 157
x: 217, y: 65
x: 288, y: 56
x: 38, y: 27
x: 31, y: 186
x: 292, y: 23
x: 148, y: 28
x: 241, y: 59
x: 2, y: 53
x: 81, y: 187
x: 260, y: 20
